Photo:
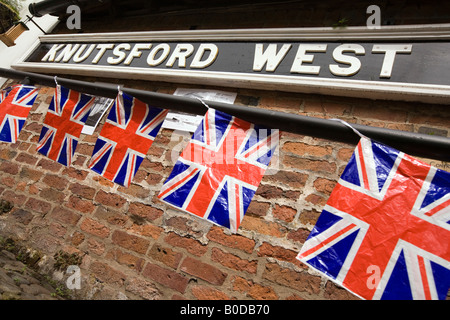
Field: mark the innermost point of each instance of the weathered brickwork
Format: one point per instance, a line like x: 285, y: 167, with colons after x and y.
x: 134, y: 246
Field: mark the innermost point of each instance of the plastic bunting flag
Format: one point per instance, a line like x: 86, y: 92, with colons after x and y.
x: 66, y: 115
x: 125, y: 138
x: 218, y: 173
x: 385, y: 230
x: 15, y: 105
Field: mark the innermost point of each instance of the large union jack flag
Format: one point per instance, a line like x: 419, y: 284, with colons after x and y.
x: 218, y: 173
x: 385, y: 230
x: 125, y: 138
x: 15, y: 105
x: 66, y: 116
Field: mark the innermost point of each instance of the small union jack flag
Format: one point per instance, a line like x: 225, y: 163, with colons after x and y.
x: 125, y: 138
x: 15, y: 105
x: 385, y: 230
x: 218, y: 173
x: 66, y: 116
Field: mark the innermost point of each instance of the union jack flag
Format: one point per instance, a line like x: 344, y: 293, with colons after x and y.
x: 218, y: 173
x: 15, y: 105
x: 66, y: 116
x: 385, y: 230
x: 125, y: 138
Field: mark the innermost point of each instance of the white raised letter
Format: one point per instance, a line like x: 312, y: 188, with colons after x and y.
x: 181, y: 52
x: 67, y: 53
x: 51, y: 54
x: 120, y: 55
x: 338, y: 56
x: 102, y: 47
x: 80, y: 56
x: 151, y: 61
x: 270, y: 56
x: 197, y: 63
x: 301, y: 57
x: 390, y: 51
x: 136, y: 53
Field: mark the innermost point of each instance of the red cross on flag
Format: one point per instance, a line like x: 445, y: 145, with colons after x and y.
x: 66, y: 115
x: 15, y: 105
x: 385, y: 230
x: 218, y: 173
x: 126, y: 138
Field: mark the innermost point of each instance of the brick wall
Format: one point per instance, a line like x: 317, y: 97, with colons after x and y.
x: 134, y: 246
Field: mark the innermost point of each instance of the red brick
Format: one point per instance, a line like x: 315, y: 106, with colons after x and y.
x: 146, y: 230
x: 284, y: 213
x: 9, y: 182
x: 7, y: 153
x: 277, y: 252
x: 325, y: 186
x: 65, y: 216
x: 95, y: 247
x: 9, y: 168
x: 303, y: 149
x: 111, y: 216
x: 110, y: 199
x: 71, y: 172
x: 165, y: 255
x: 254, y: 290
x: 307, y: 164
x: 184, y: 224
x: 95, y: 228
x: 299, y: 235
x: 289, y: 178
x: 134, y: 190
x: 258, y: 208
x: 76, y: 238
x: 191, y: 245
x: 38, y: 205
x: 57, y: 230
x: 52, y: 195
x: 82, y: 191
x: 203, y: 271
x: 143, y: 288
x: 107, y: 274
x: 166, y: 277
x: 22, y: 216
x: 84, y: 206
x: 26, y: 158
x: 309, y: 216
x: 131, y: 242
x: 345, y: 154
x: 56, y: 182
x: 263, y: 227
x: 301, y: 281
x: 272, y: 192
x: 217, y: 234
x: 333, y: 292
x: 127, y: 259
x: 233, y: 262
x: 380, y: 112
x: 49, y: 165
x: 145, y: 211
x: 30, y: 174
x: 208, y: 293
x: 316, y: 200
x: 153, y: 178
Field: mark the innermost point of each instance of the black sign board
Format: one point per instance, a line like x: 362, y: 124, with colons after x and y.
x: 400, y: 68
